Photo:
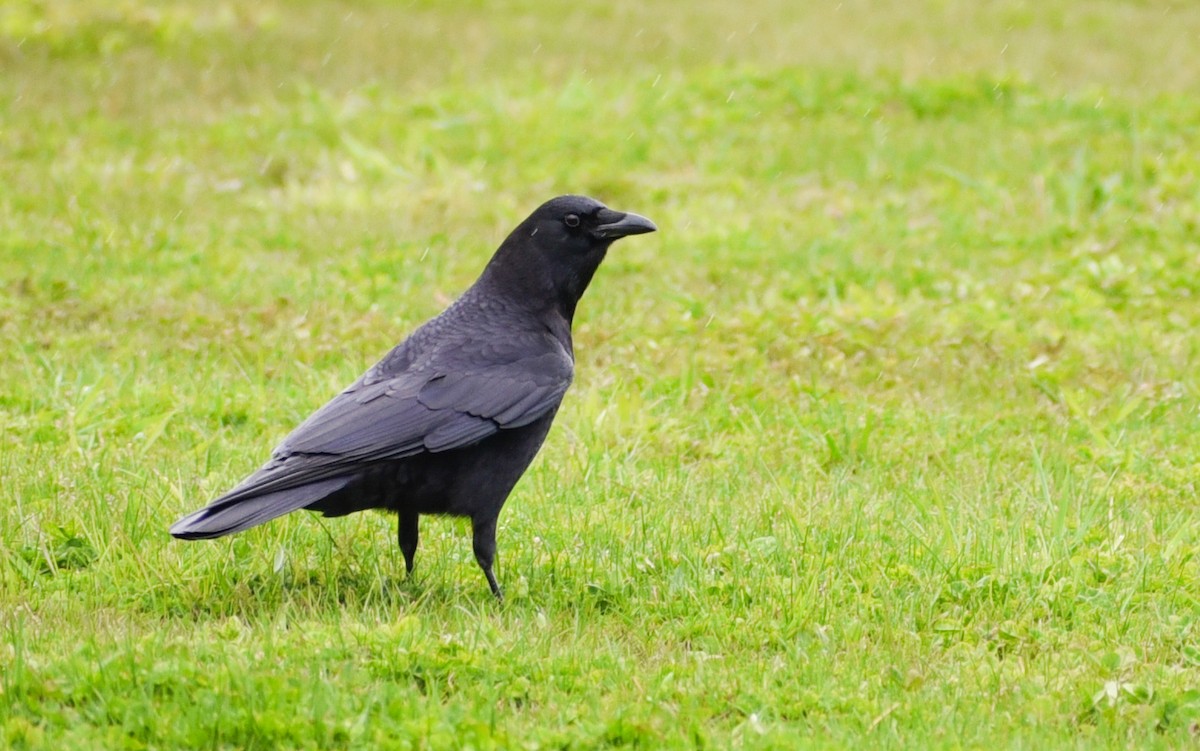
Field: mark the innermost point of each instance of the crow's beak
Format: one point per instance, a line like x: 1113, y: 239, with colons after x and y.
x: 619, y: 224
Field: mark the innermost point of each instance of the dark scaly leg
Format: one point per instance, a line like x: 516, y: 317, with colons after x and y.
x: 408, y: 538
x: 485, y: 550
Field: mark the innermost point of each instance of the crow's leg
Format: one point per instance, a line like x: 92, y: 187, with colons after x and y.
x: 485, y: 550
x: 408, y: 538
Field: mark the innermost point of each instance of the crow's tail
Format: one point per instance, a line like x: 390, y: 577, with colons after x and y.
x: 237, y: 510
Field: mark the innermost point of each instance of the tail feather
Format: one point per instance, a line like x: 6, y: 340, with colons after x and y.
x: 225, y: 516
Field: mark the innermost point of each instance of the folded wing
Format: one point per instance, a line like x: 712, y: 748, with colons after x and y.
x: 426, y: 409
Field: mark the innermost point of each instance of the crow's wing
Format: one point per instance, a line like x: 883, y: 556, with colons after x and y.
x: 410, y: 403
x: 420, y: 410
x: 430, y: 410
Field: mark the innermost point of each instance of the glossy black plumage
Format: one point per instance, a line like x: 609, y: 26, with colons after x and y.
x: 449, y: 420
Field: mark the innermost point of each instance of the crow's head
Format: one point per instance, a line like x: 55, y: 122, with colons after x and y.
x: 554, y: 253
x: 580, y: 224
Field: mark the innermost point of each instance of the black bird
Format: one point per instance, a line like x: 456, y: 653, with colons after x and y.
x: 449, y: 420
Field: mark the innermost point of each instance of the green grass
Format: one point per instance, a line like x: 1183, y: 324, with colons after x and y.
x: 887, y: 439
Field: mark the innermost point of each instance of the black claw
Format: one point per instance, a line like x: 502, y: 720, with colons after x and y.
x: 408, y: 538
x: 492, y: 583
x: 485, y: 551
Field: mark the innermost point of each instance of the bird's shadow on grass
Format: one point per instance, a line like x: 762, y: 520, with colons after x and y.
x: 333, y: 593
x: 316, y: 594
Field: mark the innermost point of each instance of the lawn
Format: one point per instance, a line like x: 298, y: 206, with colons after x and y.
x: 888, y: 438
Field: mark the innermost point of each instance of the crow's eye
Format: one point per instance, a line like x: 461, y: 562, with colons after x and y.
x: 571, y: 220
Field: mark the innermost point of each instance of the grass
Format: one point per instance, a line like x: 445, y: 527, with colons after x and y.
x: 888, y: 438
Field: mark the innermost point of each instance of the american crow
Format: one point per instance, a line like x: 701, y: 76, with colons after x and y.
x: 448, y: 421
